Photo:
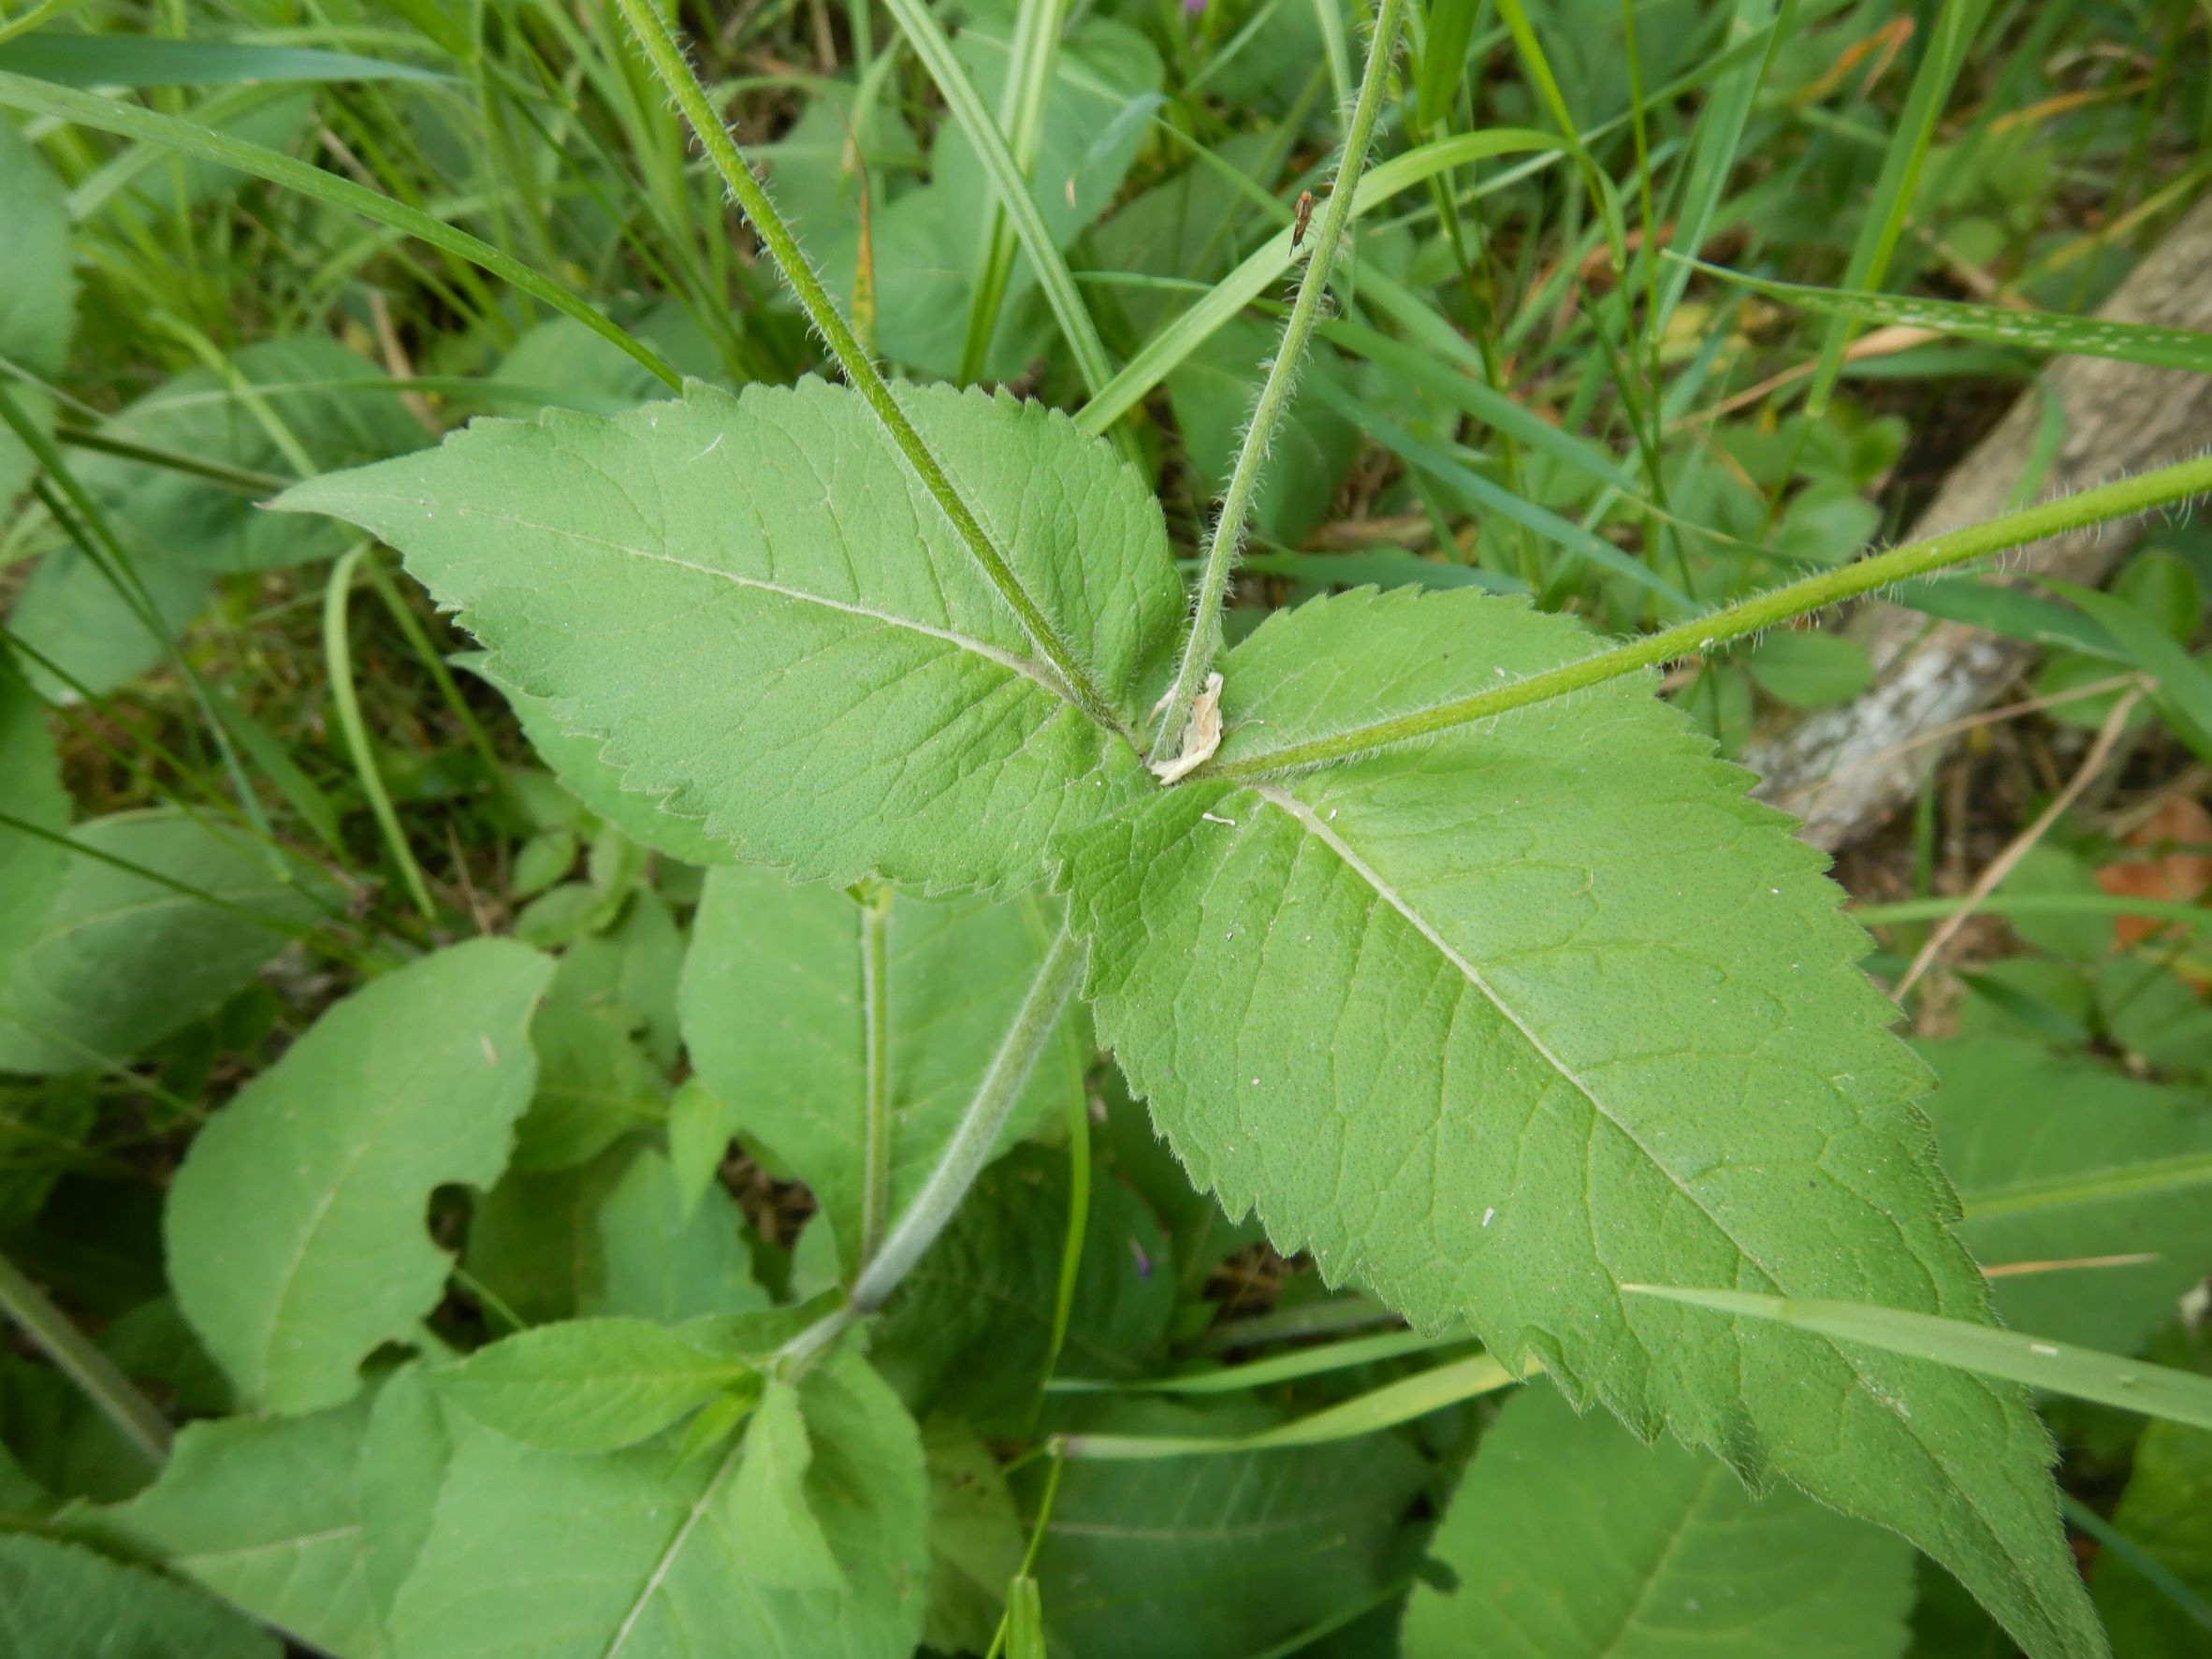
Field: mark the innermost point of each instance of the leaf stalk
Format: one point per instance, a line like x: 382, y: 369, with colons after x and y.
x: 2162, y: 488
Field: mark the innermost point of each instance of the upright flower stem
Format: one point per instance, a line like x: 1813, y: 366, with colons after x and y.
x: 2162, y: 488
x: 859, y: 369
x: 1203, y: 643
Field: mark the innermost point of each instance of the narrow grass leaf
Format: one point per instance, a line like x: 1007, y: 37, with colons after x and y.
x: 2109, y: 1379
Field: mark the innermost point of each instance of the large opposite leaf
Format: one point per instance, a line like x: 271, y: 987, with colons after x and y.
x: 775, y: 628
x: 1502, y: 1022
x: 2063, y: 1165
x: 564, y: 1557
x: 776, y: 993
x: 121, y: 959
x: 261, y: 1510
x: 1569, y: 1540
x: 295, y: 1229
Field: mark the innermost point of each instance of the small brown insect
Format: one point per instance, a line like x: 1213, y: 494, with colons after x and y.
x: 1305, y: 213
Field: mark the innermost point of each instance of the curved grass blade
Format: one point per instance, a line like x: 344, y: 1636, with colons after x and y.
x: 2132, y: 1385
x: 2032, y: 330
x: 61, y: 103
x: 1379, y: 1408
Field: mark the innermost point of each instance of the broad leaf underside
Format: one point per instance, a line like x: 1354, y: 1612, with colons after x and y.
x: 776, y: 630
x: 1503, y: 1022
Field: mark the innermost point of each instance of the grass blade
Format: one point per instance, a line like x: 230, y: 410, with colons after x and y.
x: 2132, y: 1385
x: 1380, y: 1408
x: 1165, y: 350
x: 2033, y: 331
x: 40, y: 97
x: 1011, y: 187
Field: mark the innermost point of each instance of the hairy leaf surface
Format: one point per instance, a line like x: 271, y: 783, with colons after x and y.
x: 775, y: 992
x: 295, y: 1229
x: 1499, y: 1023
x: 1570, y: 1540
x: 774, y: 627
x: 2061, y: 1160
x: 666, y: 1567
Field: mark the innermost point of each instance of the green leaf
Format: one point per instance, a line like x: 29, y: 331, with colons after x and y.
x: 775, y: 1008
x: 975, y: 1539
x: 575, y: 759
x: 2157, y: 1390
x: 768, y: 1502
x: 2167, y: 1509
x: 1567, y: 1539
x: 295, y: 1229
x: 37, y: 292
x: 990, y: 1286
x: 63, y: 1601
x: 31, y: 785
x: 1450, y: 1020
x: 1810, y: 670
x: 2058, y: 1160
x: 272, y: 406
x: 594, y: 1084
x: 588, y: 1385
x: 122, y: 960
x: 1195, y: 1558
x: 612, y: 1238
x: 262, y: 1511
x: 700, y: 1125
x: 37, y: 275
x: 777, y: 631
x: 400, y: 1473
x: 504, y: 1567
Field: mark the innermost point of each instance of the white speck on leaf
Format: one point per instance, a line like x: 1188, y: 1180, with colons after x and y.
x: 1490, y: 1215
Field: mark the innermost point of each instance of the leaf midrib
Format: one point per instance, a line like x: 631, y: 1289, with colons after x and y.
x: 1311, y: 822
x: 996, y: 655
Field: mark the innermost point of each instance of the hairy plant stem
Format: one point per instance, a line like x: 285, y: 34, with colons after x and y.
x: 83, y: 1365
x: 1203, y: 642
x: 859, y: 369
x: 969, y: 1149
x: 2164, y: 487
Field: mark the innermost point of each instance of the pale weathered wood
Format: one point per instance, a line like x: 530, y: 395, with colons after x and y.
x: 1845, y: 770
